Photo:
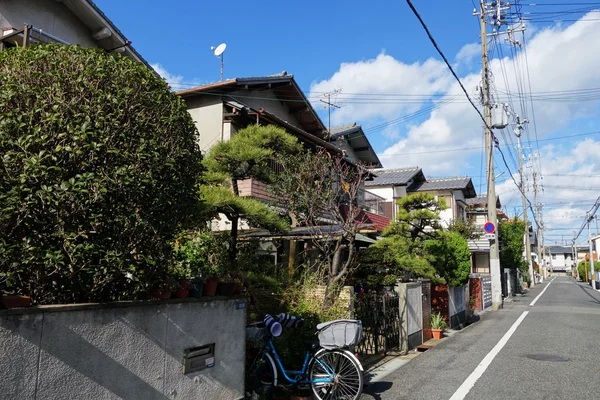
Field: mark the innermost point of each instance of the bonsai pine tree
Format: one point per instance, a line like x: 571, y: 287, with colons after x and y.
x: 246, y: 155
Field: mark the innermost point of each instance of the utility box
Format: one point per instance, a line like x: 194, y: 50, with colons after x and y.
x: 499, y: 116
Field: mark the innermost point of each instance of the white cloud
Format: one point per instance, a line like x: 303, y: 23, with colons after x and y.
x: 468, y: 53
x: 571, y: 183
x: 175, y: 81
x: 559, y: 58
x: 367, y: 85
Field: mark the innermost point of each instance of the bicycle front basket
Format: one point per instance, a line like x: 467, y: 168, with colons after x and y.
x: 256, y: 334
x: 339, y: 333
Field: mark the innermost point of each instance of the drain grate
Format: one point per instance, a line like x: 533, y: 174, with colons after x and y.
x: 547, y: 357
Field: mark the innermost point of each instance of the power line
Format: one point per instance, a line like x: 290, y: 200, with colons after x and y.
x: 448, y: 150
x: 432, y: 40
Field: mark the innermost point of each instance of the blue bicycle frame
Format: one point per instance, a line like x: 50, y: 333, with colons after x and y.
x: 296, y: 376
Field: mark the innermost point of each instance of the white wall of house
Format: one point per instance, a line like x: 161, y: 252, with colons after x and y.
x: 400, y: 192
x: 561, y: 261
x: 387, y: 192
x: 207, y: 113
x: 50, y: 16
x: 478, y: 219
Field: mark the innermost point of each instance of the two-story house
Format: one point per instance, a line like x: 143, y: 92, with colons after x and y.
x: 480, y: 248
x: 561, y: 260
x: 61, y: 21
x: 394, y: 184
x: 391, y: 185
x: 454, y: 191
x: 223, y: 108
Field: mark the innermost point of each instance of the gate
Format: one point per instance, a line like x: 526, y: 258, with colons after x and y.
x: 414, y: 315
x: 487, y: 290
x: 380, y: 316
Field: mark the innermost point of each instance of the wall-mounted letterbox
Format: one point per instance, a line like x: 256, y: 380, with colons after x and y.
x: 198, y: 358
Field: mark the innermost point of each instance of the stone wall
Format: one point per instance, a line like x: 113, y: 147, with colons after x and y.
x: 122, y: 350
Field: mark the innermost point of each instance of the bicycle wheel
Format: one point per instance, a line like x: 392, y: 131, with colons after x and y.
x: 343, y: 370
x: 263, y: 376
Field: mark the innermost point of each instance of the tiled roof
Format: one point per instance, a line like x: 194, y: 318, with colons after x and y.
x: 455, y: 183
x: 379, y: 222
x: 560, y: 250
x: 399, y: 176
x: 481, y: 200
x: 354, y: 136
x: 336, y: 130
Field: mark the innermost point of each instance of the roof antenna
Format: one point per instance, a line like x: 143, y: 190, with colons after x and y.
x: 218, y: 52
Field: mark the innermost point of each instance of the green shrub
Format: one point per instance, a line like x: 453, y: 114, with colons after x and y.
x: 300, y: 300
x: 451, y: 257
x: 582, y: 267
x: 99, y: 168
x: 200, y: 254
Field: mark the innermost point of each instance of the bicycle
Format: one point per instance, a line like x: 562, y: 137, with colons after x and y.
x: 331, y: 370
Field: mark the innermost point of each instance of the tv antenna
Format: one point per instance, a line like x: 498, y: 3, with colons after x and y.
x: 218, y: 52
x: 329, y: 104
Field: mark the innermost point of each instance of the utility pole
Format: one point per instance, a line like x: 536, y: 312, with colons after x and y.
x: 572, y: 256
x: 489, y: 159
x: 518, y: 133
x: 537, y: 226
x: 496, y: 12
x: 591, y: 253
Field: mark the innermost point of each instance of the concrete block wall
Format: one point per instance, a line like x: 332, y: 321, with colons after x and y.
x: 123, y: 350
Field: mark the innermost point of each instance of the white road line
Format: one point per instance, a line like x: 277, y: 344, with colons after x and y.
x: 468, y: 384
x: 540, y: 295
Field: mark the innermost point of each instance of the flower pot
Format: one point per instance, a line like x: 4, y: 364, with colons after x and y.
x: 437, y: 333
x: 239, y: 288
x: 14, y: 301
x: 181, y: 293
x: 196, y: 289
x: 226, y: 288
x: 210, y: 287
x: 185, y: 284
x: 160, y: 293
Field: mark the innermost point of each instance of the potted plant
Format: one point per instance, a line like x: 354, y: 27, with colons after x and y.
x: 197, y: 287
x: 438, y: 325
x: 163, y: 289
x: 183, y: 290
x: 227, y: 285
x: 16, y: 301
x: 200, y: 254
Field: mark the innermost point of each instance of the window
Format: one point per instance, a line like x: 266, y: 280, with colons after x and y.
x: 554, y: 256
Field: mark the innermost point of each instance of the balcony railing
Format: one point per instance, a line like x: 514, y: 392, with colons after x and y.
x: 371, y: 202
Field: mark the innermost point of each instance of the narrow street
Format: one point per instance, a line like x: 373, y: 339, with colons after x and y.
x: 563, y: 322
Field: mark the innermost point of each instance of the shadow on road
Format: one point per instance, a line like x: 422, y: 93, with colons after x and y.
x: 375, y: 389
x: 586, y: 291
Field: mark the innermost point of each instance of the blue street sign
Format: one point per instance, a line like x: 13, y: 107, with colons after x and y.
x: 489, y: 227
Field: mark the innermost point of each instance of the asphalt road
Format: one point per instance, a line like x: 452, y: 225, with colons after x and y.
x: 564, y: 323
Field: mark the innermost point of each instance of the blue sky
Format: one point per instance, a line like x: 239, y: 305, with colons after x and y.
x: 379, y: 54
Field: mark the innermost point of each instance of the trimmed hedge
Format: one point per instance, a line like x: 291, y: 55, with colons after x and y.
x: 98, y: 169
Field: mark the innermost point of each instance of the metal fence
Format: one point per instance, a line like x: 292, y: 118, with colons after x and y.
x: 380, y: 316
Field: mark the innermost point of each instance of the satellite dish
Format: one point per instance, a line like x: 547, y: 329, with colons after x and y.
x: 218, y: 52
x: 219, y: 49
